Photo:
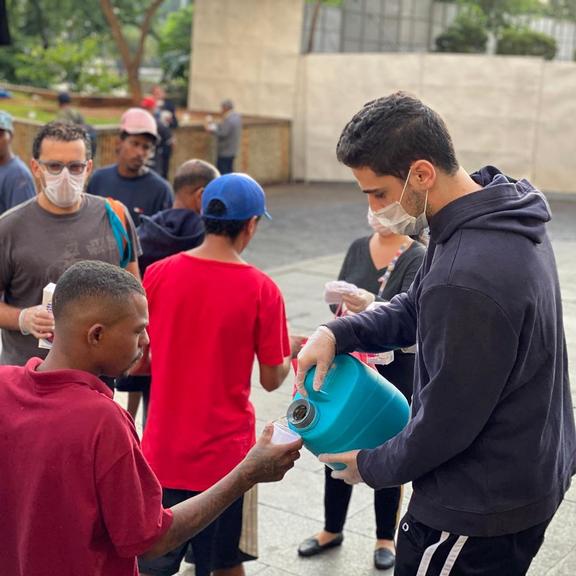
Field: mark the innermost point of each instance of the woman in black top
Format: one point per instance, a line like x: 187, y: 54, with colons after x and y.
x: 381, y: 265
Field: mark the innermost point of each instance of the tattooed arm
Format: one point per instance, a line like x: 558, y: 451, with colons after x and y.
x: 266, y: 462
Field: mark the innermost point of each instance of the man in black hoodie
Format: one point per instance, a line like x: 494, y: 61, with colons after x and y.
x: 169, y: 232
x: 490, y: 448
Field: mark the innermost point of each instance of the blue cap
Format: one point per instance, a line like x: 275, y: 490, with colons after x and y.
x: 6, y: 122
x: 242, y: 196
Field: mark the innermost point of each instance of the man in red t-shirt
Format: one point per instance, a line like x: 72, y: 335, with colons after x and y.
x: 76, y: 494
x: 211, y: 313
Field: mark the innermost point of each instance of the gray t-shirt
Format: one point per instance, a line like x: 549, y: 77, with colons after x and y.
x: 16, y: 184
x: 36, y: 247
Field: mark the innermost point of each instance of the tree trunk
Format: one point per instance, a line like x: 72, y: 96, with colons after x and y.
x: 134, y: 86
x: 131, y: 62
x: 41, y: 24
x: 313, y: 26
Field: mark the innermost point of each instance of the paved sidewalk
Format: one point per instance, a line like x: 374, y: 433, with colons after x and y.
x: 322, y: 220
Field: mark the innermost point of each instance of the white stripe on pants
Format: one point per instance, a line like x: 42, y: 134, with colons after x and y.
x: 450, y: 560
x: 453, y: 555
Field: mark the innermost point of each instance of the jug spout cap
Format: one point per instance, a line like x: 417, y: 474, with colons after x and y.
x: 301, y: 413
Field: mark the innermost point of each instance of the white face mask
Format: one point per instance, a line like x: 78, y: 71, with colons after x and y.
x: 395, y: 218
x: 64, y: 189
x: 376, y: 226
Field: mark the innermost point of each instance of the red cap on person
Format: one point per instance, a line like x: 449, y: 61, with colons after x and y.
x: 148, y: 103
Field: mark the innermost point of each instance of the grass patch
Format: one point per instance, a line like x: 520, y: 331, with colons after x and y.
x: 25, y: 107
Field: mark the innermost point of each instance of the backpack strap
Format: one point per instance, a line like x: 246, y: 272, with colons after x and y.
x: 117, y: 219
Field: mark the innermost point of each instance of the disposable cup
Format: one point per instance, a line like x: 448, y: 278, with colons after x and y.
x: 283, y: 435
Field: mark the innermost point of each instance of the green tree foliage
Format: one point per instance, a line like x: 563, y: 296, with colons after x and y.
x: 47, y: 22
x: 498, y: 12
x: 76, y: 64
x: 72, y: 42
x: 174, y: 45
x: 479, y: 18
x: 466, y: 34
x: 562, y: 9
x: 58, y: 42
x: 526, y: 42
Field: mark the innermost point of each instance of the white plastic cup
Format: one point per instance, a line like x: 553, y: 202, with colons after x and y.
x: 283, y: 435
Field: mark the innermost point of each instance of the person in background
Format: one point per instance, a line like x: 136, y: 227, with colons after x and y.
x: 160, y: 162
x: 228, y: 134
x: 67, y: 113
x: 168, y: 232
x: 165, y: 105
x: 77, y: 495
x: 211, y: 314
x: 167, y: 145
x: 44, y: 236
x: 381, y: 265
x: 16, y: 182
x: 129, y: 180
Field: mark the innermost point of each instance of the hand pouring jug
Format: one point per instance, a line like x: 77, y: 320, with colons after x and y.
x: 356, y: 408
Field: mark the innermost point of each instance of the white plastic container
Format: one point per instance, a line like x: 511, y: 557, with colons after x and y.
x: 47, y: 294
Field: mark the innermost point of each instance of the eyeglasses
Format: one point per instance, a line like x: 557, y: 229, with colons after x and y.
x: 54, y: 167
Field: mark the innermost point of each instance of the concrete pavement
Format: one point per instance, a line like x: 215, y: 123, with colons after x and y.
x: 301, y: 249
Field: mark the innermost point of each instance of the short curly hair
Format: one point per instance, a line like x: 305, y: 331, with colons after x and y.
x: 63, y: 132
x: 388, y: 134
x: 93, y: 280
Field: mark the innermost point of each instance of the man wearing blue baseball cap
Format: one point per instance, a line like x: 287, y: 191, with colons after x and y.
x: 16, y: 182
x: 211, y: 313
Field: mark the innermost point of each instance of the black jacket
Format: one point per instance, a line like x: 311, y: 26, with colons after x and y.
x: 168, y: 232
x: 490, y: 447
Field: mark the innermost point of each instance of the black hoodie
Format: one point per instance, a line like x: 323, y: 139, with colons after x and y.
x: 168, y: 232
x: 490, y: 447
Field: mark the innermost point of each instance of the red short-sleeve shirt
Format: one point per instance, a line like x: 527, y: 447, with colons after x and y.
x: 208, y: 320
x: 76, y: 494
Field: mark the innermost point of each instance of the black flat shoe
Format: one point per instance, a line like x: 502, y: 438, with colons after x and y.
x: 311, y: 546
x: 384, y: 558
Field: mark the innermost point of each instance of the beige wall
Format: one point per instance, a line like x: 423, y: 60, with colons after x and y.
x: 555, y: 151
x: 516, y: 113
x: 247, y: 50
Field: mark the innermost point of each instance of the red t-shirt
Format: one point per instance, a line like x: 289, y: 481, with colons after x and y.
x: 208, y: 319
x: 76, y: 494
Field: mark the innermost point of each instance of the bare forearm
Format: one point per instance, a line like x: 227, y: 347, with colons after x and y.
x: 271, y: 377
x: 265, y: 462
x: 9, y: 317
x: 194, y: 514
x: 286, y: 365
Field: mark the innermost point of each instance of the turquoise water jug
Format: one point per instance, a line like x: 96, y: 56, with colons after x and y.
x: 356, y: 408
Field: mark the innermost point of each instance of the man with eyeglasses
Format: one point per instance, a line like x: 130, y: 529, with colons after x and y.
x: 130, y: 180
x: 44, y: 236
x: 16, y: 184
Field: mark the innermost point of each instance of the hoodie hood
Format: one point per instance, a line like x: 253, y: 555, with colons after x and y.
x: 168, y: 232
x: 503, y: 204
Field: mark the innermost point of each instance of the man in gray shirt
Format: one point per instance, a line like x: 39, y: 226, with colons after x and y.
x: 16, y: 183
x: 228, y: 132
x: 43, y: 237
